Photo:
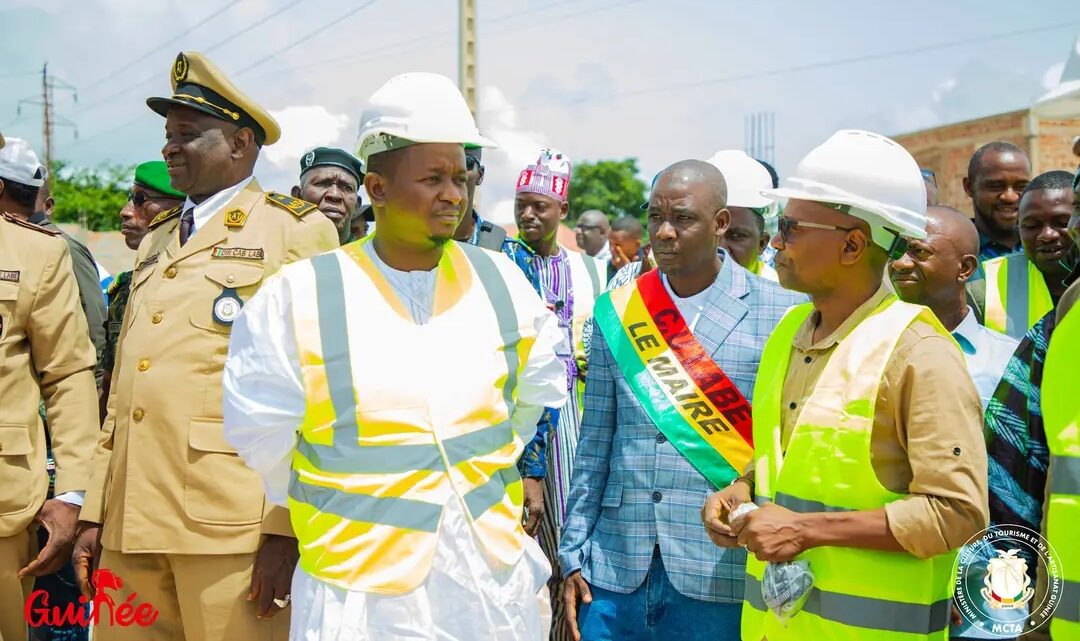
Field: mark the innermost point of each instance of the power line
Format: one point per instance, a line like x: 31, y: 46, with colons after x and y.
x: 311, y: 34
x: 223, y: 41
x: 799, y: 68
x: 325, y: 26
x: 438, y: 37
x: 137, y: 59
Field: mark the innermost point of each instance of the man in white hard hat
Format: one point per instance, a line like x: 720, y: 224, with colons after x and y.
x: 869, y: 463
x: 745, y: 236
x: 401, y: 479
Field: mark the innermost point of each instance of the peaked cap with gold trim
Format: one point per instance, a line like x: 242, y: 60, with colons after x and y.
x: 198, y: 84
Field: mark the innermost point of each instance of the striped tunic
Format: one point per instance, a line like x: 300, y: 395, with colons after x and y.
x: 553, y: 273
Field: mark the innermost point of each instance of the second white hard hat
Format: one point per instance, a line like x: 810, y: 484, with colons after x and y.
x: 413, y: 108
x: 746, y: 178
x: 868, y: 172
x: 19, y: 163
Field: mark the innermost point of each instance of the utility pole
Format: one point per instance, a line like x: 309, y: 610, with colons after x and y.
x: 49, y: 119
x: 467, y: 52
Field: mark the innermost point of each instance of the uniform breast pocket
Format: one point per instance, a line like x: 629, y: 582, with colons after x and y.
x: 137, y: 293
x: 16, y: 473
x: 229, y: 286
x: 219, y: 488
x: 9, y: 295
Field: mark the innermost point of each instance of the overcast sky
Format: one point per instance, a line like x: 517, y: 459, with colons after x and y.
x: 658, y: 80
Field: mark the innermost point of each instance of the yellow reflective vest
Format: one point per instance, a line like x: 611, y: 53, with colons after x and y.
x: 1016, y: 295
x: 858, y: 594
x: 403, y: 418
x: 1061, y: 417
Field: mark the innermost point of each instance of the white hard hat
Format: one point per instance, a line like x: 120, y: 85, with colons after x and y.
x: 873, y: 175
x: 746, y: 178
x: 19, y: 163
x: 416, y: 108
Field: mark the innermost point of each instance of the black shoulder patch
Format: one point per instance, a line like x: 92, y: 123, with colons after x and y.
x: 294, y: 206
x: 22, y: 223
x: 165, y: 215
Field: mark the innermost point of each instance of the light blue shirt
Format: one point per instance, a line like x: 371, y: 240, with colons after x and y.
x: 986, y: 353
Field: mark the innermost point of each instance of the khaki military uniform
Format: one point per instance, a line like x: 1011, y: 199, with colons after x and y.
x: 45, y: 353
x: 183, y: 516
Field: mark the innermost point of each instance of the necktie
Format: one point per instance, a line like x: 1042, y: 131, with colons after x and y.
x: 187, y: 225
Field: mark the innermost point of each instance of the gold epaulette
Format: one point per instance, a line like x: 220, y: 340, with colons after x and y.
x: 165, y: 215
x: 294, y: 206
x: 11, y: 218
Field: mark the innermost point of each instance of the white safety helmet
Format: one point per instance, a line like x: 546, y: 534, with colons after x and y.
x: 873, y: 176
x: 746, y: 179
x: 414, y: 108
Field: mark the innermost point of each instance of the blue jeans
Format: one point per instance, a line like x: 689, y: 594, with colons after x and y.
x: 656, y: 611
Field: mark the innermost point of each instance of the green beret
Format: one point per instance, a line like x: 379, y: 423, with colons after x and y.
x: 330, y: 157
x: 155, y: 175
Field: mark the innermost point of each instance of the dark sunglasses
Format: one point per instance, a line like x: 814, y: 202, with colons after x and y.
x: 785, y: 225
x: 139, y: 198
x: 472, y: 163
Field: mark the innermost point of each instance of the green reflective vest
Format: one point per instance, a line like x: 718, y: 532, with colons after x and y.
x: 1016, y: 295
x: 858, y: 594
x: 1061, y: 417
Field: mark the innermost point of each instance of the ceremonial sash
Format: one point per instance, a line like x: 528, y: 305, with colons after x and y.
x: 685, y: 393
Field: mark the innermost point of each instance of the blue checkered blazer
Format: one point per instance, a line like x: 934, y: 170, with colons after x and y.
x: 631, y: 489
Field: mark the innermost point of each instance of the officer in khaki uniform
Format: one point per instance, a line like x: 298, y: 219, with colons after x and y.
x: 45, y: 352
x: 185, y: 523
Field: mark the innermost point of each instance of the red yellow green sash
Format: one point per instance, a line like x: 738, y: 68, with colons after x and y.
x: 685, y: 393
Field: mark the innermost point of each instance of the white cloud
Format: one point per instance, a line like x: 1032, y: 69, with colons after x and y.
x: 943, y: 89
x: 303, y: 127
x: 517, y: 148
x: 1051, y: 78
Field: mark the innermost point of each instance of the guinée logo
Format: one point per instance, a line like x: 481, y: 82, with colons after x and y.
x: 105, y: 609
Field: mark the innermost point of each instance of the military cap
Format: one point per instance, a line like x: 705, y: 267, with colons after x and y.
x: 155, y: 175
x: 198, y: 84
x: 330, y: 157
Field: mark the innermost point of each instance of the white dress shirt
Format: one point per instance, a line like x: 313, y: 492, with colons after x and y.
x: 986, y: 353
x: 205, y: 210
x: 463, y: 597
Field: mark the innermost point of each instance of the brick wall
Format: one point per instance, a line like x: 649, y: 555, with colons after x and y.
x: 946, y: 150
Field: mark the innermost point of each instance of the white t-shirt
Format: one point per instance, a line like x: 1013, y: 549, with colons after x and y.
x: 690, y: 307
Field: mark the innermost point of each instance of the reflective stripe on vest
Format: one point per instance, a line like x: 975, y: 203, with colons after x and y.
x: 863, y: 612
x: 1016, y: 295
x: 368, y: 490
x: 827, y: 468
x: 1061, y: 419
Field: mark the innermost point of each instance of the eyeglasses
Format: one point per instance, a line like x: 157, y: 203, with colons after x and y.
x: 139, y: 198
x: 786, y: 225
x: 472, y: 163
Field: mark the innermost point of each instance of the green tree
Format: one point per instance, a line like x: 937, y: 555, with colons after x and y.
x: 90, y: 196
x: 612, y: 186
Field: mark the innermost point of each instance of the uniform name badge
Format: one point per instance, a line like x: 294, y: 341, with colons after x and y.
x: 227, y: 306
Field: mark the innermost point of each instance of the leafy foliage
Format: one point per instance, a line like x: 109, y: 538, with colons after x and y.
x: 92, y: 197
x: 612, y: 186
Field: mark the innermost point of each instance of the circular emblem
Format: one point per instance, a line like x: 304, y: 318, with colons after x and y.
x: 994, y: 589
x: 180, y: 69
x: 309, y: 159
x: 226, y: 309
